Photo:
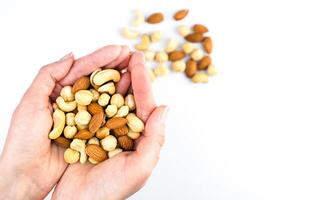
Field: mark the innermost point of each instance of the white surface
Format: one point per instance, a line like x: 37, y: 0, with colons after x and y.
x: 245, y: 135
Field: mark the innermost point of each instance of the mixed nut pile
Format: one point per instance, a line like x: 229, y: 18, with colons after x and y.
x: 92, y: 121
x: 192, y: 57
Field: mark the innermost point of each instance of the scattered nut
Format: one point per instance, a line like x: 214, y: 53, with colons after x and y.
x: 179, y: 15
x: 171, y: 45
x: 149, y: 55
x: 130, y: 34
x: 161, y: 57
x: 200, y: 78
x: 197, y: 54
x: 204, y: 63
x: 155, y: 36
x: 160, y: 70
x: 155, y: 18
x: 144, y: 44
x: 207, y: 45
x: 211, y: 70
x: 191, y: 68
x: 176, y: 55
x: 109, y: 143
x: 179, y: 66
x: 139, y: 18
x: 194, y: 37
x: 184, y: 30
x: 199, y: 28
x: 188, y: 47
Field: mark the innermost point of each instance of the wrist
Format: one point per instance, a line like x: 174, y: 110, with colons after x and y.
x: 15, y: 184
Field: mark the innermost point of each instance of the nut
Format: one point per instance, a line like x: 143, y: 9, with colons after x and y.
x: 102, y: 132
x: 95, y: 108
x: 117, y: 99
x: 92, y: 77
x: 84, y: 97
x: 133, y: 135
x: 197, y: 54
x: 71, y: 156
x: 109, y: 143
x: 105, y: 76
x: 130, y: 34
x: 179, y: 66
x: 93, y: 140
x: 126, y: 143
x: 179, y: 15
x: 176, y: 55
x: 200, y: 78
x: 207, y: 45
x: 204, y: 62
x: 108, y: 87
x: 191, y: 68
x: 96, y: 122
x: 188, y: 47
x: 81, y: 107
x: 123, y: 111
x: 84, y: 134
x: 82, y: 83
x: 139, y: 18
x: 199, y: 28
x: 81, y: 127
x: 134, y: 123
x: 59, y: 124
x: 121, y: 131
x: 116, y: 122
x: 130, y: 102
x: 171, y: 45
x: 144, y: 44
x: 83, y: 118
x: 211, y: 70
x: 95, y: 94
x: 70, y: 119
x: 114, y: 152
x: 111, y: 110
x: 161, y: 57
x: 79, y: 145
x: 65, y: 106
x: 155, y: 36
x: 160, y: 70
x: 70, y: 131
x: 155, y: 18
x: 54, y: 106
x: 149, y: 55
x: 194, y: 37
x: 103, y: 99
x: 183, y: 30
x: 67, y: 93
x: 91, y: 160
x: 62, y: 142
x: 96, y: 152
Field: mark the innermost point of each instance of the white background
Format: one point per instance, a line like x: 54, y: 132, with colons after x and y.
x: 244, y: 135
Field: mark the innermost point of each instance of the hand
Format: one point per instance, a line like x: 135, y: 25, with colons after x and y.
x: 30, y: 164
x: 126, y: 173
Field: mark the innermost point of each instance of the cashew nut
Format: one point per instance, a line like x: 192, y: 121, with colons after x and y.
x: 123, y: 111
x: 183, y: 30
x: 171, y: 45
x: 160, y: 70
x: 93, y: 140
x: 84, y: 97
x: 65, y: 106
x: 133, y: 135
x: 111, y: 110
x: 70, y: 131
x: 83, y: 118
x: 149, y: 55
x: 188, y: 47
x: 161, y: 57
x: 71, y: 156
x: 130, y: 34
x: 144, y: 44
x: 106, y: 75
x: 134, y: 123
x: 114, y: 152
x: 59, y: 124
x: 92, y: 77
x: 108, y: 87
x: 93, y: 161
x: 109, y: 143
x: 130, y: 102
x: 139, y: 18
x: 211, y: 70
x: 103, y: 99
x: 79, y: 145
x: 117, y: 99
x: 179, y: 66
x: 95, y: 94
x: 200, y: 78
x: 155, y: 36
x: 67, y: 94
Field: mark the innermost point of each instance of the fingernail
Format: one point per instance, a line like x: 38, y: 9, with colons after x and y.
x: 164, y: 114
x: 69, y: 55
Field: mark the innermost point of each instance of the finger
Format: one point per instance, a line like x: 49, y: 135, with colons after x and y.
x: 124, y: 83
x: 125, y: 52
x: 148, y: 149
x: 87, y: 64
x: 45, y: 81
x: 141, y: 85
x: 125, y: 63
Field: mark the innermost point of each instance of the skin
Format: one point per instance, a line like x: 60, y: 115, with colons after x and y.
x: 31, y: 165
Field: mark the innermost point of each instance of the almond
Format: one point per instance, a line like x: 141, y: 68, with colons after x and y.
x: 121, y: 131
x: 96, y: 122
x: 194, y: 37
x: 95, y: 108
x: 176, y: 55
x: 84, y: 134
x: 191, y: 68
x: 116, y: 122
x: 204, y: 62
x: 199, y: 28
x: 155, y: 18
x: 62, y: 142
x: 96, y: 152
x: 82, y: 83
x: 179, y: 15
x: 207, y: 45
x: 126, y: 143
